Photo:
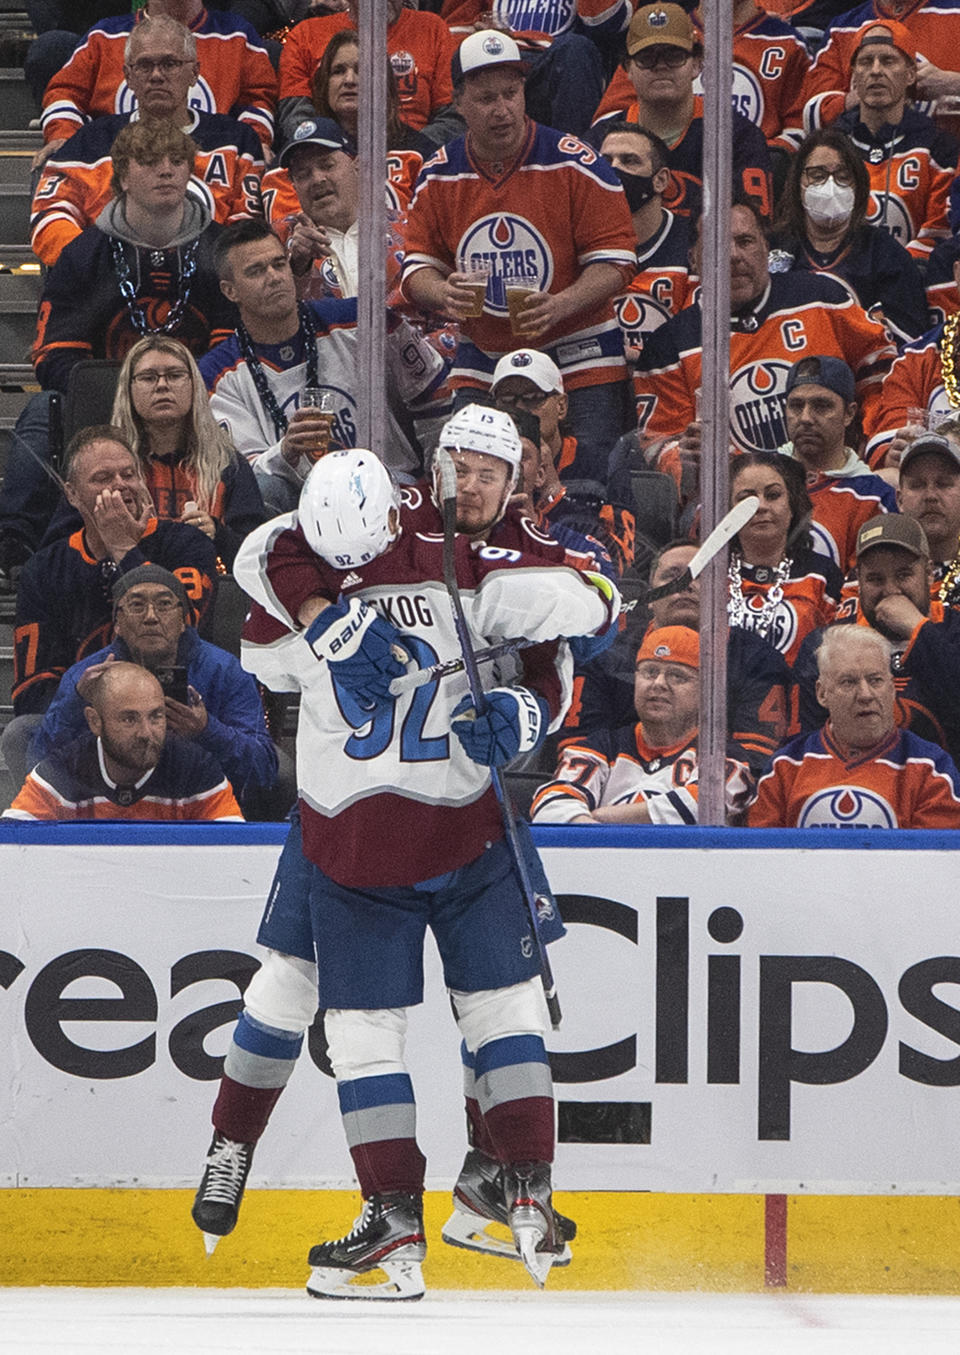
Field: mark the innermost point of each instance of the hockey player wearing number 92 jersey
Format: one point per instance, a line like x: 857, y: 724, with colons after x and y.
x: 401, y: 829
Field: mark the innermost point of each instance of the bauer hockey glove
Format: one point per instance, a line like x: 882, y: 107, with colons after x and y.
x: 359, y: 647
x: 515, y: 721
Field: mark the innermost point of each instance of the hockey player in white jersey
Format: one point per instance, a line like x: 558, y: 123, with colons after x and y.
x: 354, y: 591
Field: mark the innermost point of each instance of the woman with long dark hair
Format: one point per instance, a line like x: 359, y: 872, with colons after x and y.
x: 822, y: 227
x: 778, y: 586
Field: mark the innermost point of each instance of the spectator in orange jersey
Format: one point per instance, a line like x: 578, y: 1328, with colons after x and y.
x: 647, y: 772
x: 539, y: 222
x: 419, y: 45
x: 75, y: 185
x: 779, y: 587
x: 127, y: 767
x: 859, y: 771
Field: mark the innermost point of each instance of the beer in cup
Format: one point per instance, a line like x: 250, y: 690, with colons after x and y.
x: 322, y: 401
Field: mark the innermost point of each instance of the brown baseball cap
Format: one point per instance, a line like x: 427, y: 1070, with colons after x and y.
x: 893, y: 529
x: 660, y: 26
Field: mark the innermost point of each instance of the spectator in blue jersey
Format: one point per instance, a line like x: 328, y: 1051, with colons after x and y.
x: 663, y: 58
x: 821, y: 412
x: 64, y: 598
x: 126, y: 765
x: 823, y: 228
x: 222, y: 715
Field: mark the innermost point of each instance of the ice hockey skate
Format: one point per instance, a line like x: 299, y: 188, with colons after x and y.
x: 479, y: 1201
x: 388, y: 1236
x: 217, y: 1202
x: 530, y: 1215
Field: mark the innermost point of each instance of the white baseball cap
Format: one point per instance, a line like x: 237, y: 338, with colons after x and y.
x: 532, y: 366
x: 484, y: 49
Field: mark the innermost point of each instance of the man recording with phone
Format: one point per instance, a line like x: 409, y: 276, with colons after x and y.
x: 209, y: 699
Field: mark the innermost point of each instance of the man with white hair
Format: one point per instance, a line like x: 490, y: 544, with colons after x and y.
x: 859, y: 770
x: 355, y: 580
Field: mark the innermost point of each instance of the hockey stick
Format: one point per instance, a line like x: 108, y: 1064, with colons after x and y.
x: 448, y: 496
x: 724, y: 531
x: 421, y: 676
x: 727, y: 528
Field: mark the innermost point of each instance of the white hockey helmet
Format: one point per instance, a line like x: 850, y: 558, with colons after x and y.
x: 480, y: 428
x: 350, y: 508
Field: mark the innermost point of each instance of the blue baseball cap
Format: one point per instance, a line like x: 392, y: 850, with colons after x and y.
x: 833, y: 373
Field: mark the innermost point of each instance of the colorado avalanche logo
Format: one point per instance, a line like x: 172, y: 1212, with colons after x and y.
x: 200, y: 97
x: 846, y: 807
x: 514, y: 248
x: 889, y: 211
x: 782, y: 631
x: 757, y: 399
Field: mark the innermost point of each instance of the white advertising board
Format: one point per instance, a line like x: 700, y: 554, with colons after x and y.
x: 735, y: 1019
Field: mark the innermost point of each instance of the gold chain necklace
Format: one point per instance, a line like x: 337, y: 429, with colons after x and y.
x: 948, y: 354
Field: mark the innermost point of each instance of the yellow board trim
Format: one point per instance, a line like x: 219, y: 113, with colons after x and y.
x: 835, y: 1244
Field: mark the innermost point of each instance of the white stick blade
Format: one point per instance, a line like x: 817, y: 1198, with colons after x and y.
x: 728, y: 526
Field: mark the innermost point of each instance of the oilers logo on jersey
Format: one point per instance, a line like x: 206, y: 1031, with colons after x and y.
x: 782, y: 629
x: 514, y: 248
x: 888, y: 211
x: 639, y: 313
x: 824, y: 542
x: 757, y: 398
x: 847, y: 807
x: 200, y: 97
x: 747, y: 93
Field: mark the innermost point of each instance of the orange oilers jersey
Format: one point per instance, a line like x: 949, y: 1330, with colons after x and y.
x: 235, y: 77
x: 538, y: 22
x: 841, y: 505
x: 74, y: 185
x: 661, y: 287
x: 915, y: 381
x: 618, y: 767
x: 770, y: 68
x: 419, y: 45
x: 810, y: 594
x: 911, y: 168
x: 70, y: 784
x: 751, y: 162
x: 934, y: 26
x: 557, y: 208
x: 798, y: 314
x: 905, y: 782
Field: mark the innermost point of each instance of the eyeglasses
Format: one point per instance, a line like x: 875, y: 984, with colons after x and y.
x: 145, y: 65
x: 816, y: 174
x: 674, y: 675
x: 173, y: 376
x: 660, y: 56
x: 533, y: 400
x: 138, y: 607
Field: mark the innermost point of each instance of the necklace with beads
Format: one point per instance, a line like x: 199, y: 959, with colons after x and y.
x: 307, y: 336
x: 948, y: 356
x: 135, y: 310
x: 739, y: 613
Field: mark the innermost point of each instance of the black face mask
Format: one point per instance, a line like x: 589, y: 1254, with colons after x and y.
x: 638, y: 188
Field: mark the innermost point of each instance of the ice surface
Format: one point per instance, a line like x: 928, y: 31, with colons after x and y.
x: 284, y: 1322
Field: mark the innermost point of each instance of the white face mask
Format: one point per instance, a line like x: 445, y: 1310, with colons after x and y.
x: 828, y: 203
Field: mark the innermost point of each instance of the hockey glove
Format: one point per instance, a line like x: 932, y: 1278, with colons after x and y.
x: 515, y: 721
x: 358, y: 645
